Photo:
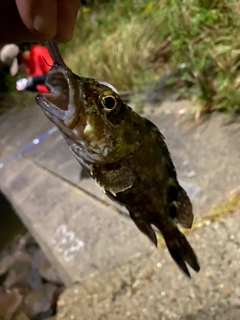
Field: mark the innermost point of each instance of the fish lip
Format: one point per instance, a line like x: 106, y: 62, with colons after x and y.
x: 65, y: 99
x: 49, y: 108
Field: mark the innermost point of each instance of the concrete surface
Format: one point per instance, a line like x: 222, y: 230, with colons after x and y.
x: 150, y: 287
x: 79, y: 229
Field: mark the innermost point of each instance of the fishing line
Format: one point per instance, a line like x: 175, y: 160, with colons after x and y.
x: 28, y: 146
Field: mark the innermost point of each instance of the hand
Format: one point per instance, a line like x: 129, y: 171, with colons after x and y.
x: 34, y: 20
x: 21, y: 84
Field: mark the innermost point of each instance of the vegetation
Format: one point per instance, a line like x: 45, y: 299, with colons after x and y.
x: 9, y: 97
x: 6, y: 83
x: 131, y: 43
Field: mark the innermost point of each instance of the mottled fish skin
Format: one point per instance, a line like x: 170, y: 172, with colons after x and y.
x: 126, y: 155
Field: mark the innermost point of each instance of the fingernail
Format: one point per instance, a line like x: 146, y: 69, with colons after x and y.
x: 45, y: 17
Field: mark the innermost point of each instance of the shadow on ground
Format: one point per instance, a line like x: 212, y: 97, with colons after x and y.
x: 10, y: 224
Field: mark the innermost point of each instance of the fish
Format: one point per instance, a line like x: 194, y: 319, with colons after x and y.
x: 124, y: 153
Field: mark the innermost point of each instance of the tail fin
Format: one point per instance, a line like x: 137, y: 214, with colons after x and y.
x: 180, y: 250
x: 177, y: 244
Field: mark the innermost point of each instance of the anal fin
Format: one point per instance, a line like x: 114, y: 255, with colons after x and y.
x: 145, y: 228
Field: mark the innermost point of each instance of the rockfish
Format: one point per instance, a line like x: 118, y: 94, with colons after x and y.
x: 124, y: 153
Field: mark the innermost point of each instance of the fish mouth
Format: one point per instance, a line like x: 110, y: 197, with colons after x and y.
x: 65, y: 99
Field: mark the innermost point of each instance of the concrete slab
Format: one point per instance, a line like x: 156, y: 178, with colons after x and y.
x: 80, y: 235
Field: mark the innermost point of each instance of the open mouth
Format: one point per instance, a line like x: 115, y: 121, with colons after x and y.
x: 64, y: 99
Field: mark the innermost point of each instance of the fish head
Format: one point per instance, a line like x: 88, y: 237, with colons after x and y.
x: 90, y: 114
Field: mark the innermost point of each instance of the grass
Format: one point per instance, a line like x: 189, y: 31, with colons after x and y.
x: 10, y: 97
x: 113, y: 43
x: 131, y: 43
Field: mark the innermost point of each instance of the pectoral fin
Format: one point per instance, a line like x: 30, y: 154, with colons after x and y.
x: 144, y: 227
x: 117, y: 180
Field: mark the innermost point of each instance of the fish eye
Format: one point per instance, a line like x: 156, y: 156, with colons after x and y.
x: 109, y: 103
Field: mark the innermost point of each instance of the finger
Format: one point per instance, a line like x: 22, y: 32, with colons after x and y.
x: 66, y: 18
x: 39, y: 16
